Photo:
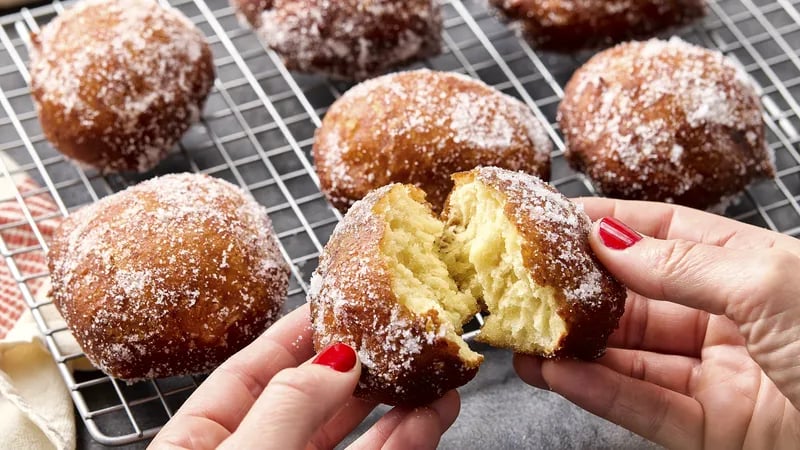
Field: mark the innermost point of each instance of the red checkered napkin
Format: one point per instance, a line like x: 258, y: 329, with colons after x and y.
x: 17, y: 233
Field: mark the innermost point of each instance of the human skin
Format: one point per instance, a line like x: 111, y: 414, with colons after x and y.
x: 706, y: 355
x: 271, y: 395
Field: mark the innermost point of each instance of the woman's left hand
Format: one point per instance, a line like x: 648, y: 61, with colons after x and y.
x: 272, y: 394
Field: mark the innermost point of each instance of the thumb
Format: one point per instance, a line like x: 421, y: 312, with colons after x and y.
x: 756, y: 288
x: 299, y: 401
x: 716, y: 279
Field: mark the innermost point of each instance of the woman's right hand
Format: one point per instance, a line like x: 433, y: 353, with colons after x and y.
x: 707, y: 354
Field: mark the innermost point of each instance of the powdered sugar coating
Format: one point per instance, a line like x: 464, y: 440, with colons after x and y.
x: 555, y: 249
x: 407, y: 358
x: 573, y: 24
x: 349, y: 39
x: 664, y: 120
x: 558, y: 232
x: 117, y: 82
x: 419, y: 127
x: 168, y: 277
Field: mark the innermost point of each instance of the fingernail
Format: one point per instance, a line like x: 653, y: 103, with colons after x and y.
x: 339, y: 357
x: 617, y: 235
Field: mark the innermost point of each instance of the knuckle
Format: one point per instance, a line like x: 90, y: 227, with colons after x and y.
x: 778, y: 265
x: 295, y: 384
x: 170, y: 444
x: 638, y: 310
x: 321, y: 440
x: 243, y: 378
x: 657, y: 420
x: 609, y: 408
x: 646, y: 413
x: 638, y: 367
x: 676, y: 258
x: 773, y: 272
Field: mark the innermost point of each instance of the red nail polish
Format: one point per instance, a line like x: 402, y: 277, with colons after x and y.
x: 339, y: 357
x: 616, y: 234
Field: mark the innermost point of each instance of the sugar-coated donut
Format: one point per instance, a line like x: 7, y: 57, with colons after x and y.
x: 569, y: 25
x: 420, y: 127
x: 665, y: 121
x: 522, y: 249
x: 117, y: 82
x: 169, y: 277
x: 363, y: 293
x: 397, y: 283
x: 345, y: 39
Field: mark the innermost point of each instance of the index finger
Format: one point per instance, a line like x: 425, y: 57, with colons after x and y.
x: 217, y: 407
x: 668, y: 221
x: 661, y: 327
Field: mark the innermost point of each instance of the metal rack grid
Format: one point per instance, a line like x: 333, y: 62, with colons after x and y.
x: 257, y: 132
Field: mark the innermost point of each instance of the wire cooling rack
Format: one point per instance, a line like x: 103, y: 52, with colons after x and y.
x: 257, y: 132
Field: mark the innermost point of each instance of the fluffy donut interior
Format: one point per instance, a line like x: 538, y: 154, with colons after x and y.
x: 420, y: 279
x: 483, y: 252
x: 470, y: 262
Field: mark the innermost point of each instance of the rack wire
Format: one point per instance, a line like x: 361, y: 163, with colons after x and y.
x: 257, y: 132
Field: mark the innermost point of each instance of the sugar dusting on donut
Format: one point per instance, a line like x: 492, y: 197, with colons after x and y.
x: 569, y: 25
x: 461, y: 114
x: 352, y: 298
x: 694, y: 87
x: 390, y: 347
x: 168, y: 218
x: 564, y: 229
x: 702, y: 90
x: 456, y: 102
x: 350, y: 39
x: 399, y: 345
x: 124, y: 65
x: 564, y: 11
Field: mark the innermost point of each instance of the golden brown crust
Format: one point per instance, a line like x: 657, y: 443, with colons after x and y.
x: 169, y: 277
x: 249, y: 11
x: 406, y: 358
x: 419, y: 127
x: 347, y: 39
x: 664, y: 121
x: 112, y: 96
x: 556, y: 252
x: 569, y: 25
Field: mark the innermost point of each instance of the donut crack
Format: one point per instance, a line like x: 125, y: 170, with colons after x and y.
x: 398, y: 282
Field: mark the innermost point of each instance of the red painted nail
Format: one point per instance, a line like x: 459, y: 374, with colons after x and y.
x: 616, y: 234
x: 339, y: 357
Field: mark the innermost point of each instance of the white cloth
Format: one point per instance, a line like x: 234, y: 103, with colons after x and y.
x: 36, y: 411
x: 35, y: 405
